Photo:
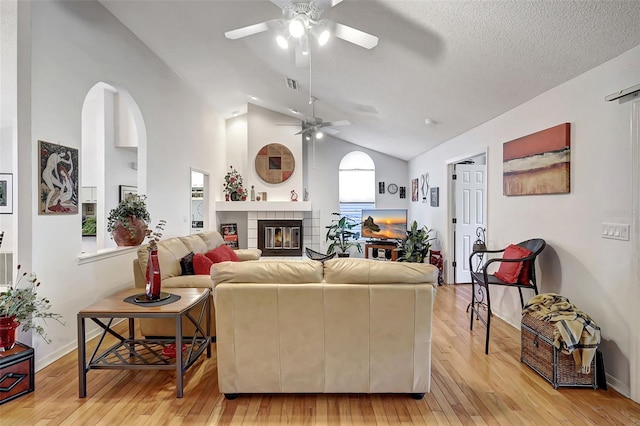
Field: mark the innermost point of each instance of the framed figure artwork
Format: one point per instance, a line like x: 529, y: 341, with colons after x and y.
x: 58, y: 185
x: 6, y: 193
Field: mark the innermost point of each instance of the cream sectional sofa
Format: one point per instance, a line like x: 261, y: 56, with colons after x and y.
x: 345, y: 326
x: 170, y: 251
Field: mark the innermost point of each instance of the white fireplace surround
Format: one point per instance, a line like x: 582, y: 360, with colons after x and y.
x: 275, y: 210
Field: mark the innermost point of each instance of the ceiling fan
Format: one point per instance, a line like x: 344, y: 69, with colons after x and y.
x: 301, y: 18
x: 313, y: 128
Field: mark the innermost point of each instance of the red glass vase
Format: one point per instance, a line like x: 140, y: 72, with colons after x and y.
x: 8, y: 326
x: 153, y: 276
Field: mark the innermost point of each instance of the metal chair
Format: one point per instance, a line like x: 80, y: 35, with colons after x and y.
x: 483, y: 280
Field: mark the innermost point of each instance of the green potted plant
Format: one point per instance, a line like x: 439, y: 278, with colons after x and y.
x: 89, y: 226
x: 20, y: 305
x: 341, y: 235
x: 128, y: 222
x: 415, y: 247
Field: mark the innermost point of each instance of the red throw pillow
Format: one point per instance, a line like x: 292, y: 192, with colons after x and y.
x: 510, y: 271
x: 201, y: 264
x: 224, y: 253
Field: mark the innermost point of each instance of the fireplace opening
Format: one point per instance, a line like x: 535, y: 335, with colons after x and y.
x: 280, y: 237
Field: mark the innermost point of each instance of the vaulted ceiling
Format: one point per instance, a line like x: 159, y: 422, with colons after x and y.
x: 458, y: 63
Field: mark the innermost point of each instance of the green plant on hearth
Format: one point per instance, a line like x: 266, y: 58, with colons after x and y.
x: 132, y: 206
x: 341, y: 235
x: 21, y: 301
x: 233, y: 184
x: 415, y: 247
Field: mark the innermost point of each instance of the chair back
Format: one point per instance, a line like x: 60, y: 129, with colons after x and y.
x: 535, y: 246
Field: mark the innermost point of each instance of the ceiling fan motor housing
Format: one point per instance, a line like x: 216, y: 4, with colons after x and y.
x: 308, y: 9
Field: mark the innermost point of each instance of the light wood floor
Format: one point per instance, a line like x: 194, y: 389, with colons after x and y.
x: 467, y: 387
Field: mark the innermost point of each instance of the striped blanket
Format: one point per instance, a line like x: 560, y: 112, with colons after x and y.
x: 575, y: 332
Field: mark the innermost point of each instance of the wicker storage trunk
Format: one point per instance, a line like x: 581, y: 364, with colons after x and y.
x: 539, y: 353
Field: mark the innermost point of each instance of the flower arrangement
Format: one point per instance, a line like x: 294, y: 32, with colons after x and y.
x: 155, y: 235
x: 233, y: 185
x: 21, y: 301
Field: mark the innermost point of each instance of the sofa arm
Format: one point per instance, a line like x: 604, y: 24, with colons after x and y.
x: 248, y: 254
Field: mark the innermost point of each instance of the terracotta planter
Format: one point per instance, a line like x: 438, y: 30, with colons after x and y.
x: 123, y: 237
x: 8, y: 326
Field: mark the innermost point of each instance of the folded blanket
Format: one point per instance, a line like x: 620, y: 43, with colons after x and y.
x: 575, y: 333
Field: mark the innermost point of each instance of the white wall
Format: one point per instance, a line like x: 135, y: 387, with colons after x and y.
x: 322, y: 180
x: 594, y: 273
x: 263, y: 128
x: 181, y: 131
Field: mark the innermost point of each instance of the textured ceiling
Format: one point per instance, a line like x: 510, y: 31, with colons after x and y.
x: 459, y: 63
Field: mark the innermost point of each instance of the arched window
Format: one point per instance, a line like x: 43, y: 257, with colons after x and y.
x: 356, y: 186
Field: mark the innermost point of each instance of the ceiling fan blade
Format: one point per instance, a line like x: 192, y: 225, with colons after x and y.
x: 337, y: 123
x: 251, y: 29
x: 281, y: 3
x: 330, y: 131
x: 354, y: 36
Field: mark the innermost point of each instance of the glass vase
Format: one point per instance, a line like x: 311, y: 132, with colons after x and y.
x: 153, y: 276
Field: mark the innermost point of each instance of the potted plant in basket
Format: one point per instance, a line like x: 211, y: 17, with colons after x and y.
x: 20, y: 305
x: 341, y: 235
x: 127, y: 223
x: 233, y: 186
x: 415, y: 248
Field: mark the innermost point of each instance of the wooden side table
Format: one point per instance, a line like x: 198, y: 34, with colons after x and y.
x: 143, y: 354
x: 16, y: 372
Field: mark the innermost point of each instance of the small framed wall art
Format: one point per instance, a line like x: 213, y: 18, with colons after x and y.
x: 127, y: 191
x: 403, y: 192
x: 435, y: 196
x: 414, y: 189
x: 6, y: 193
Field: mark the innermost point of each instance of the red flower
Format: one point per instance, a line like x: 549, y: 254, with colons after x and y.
x: 232, y: 179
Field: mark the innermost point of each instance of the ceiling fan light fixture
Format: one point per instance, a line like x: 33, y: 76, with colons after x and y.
x: 297, y: 27
x: 282, y: 42
x: 319, y: 135
x: 322, y: 32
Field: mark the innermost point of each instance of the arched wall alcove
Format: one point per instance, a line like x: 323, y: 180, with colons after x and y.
x: 113, y: 157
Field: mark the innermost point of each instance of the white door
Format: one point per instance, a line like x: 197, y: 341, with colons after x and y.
x: 470, y: 208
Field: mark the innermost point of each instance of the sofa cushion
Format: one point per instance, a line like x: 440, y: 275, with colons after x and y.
x: 224, y: 253
x: 188, y: 281
x: 186, y: 263
x: 170, y: 252
x: 212, y: 239
x: 368, y: 271
x: 201, y: 264
x: 194, y: 243
x: 256, y: 271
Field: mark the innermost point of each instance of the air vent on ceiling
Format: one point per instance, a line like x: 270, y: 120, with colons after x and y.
x: 291, y: 83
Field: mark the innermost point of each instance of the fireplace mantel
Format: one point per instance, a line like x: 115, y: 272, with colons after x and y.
x: 263, y: 206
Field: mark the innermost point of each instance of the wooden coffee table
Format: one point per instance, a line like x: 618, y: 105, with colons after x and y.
x: 145, y: 354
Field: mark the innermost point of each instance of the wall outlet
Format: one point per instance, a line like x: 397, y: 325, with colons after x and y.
x: 616, y: 231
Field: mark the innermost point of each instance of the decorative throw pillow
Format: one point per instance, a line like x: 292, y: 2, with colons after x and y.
x: 186, y: 263
x: 201, y: 264
x: 223, y: 253
x: 510, y: 271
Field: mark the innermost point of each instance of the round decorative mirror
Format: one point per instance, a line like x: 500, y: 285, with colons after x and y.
x: 275, y: 163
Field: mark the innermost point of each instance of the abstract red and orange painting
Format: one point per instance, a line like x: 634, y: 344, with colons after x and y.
x: 538, y: 163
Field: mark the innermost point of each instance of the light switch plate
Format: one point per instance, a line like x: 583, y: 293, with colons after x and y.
x: 616, y: 231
